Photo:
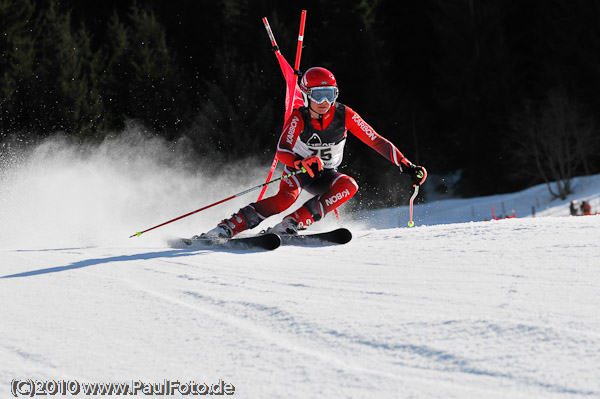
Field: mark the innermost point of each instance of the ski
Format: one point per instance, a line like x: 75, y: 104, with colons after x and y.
x: 262, y: 241
x: 338, y: 236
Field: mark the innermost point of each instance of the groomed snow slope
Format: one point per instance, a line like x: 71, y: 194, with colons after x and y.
x: 455, y: 310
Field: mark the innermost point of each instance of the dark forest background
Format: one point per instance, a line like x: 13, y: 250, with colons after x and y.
x: 503, y: 91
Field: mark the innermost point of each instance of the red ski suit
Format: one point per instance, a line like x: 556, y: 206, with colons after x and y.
x: 303, y: 136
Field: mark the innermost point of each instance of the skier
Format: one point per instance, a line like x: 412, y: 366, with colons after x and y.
x: 313, y: 137
x: 586, y: 208
x: 574, y: 208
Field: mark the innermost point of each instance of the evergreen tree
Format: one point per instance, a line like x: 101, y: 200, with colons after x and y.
x: 475, y: 88
x: 235, y: 119
x: 79, y: 87
x: 50, y: 78
x: 118, y: 75
x: 17, y: 63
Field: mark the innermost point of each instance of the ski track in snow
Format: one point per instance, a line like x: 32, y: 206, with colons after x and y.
x: 486, y: 309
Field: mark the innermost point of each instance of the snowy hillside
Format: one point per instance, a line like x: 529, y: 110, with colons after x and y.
x: 448, y: 309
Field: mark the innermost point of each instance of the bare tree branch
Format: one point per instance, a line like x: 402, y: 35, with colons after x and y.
x: 554, y: 141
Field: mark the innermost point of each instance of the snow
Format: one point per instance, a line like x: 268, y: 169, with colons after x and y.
x: 456, y: 307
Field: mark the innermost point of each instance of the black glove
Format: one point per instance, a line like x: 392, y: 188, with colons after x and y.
x: 417, y: 174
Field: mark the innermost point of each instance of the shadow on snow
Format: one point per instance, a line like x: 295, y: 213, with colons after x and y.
x: 124, y: 258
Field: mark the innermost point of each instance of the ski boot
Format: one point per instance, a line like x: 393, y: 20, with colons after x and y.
x: 291, y: 224
x: 245, y: 219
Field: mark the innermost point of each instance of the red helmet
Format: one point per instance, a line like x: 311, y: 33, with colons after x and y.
x: 324, y: 83
x: 317, y: 76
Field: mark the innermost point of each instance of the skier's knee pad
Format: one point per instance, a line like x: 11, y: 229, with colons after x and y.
x: 345, y: 182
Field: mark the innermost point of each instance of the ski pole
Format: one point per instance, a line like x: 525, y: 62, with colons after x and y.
x: 301, y: 170
x: 412, y: 198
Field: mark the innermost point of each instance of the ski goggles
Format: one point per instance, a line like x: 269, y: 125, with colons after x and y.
x: 321, y: 94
